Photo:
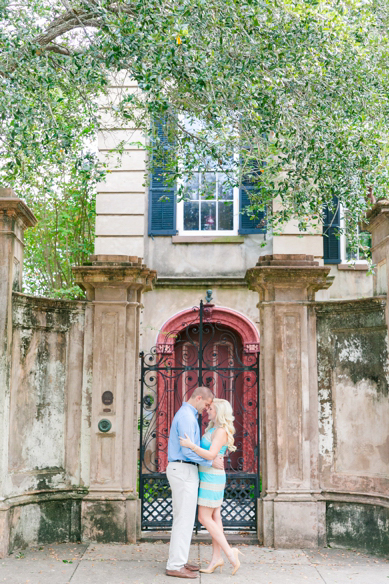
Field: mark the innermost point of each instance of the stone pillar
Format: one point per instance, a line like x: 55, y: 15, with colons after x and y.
x: 15, y: 217
x: 293, y: 514
x: 377, y: 222
x: 114, y: 284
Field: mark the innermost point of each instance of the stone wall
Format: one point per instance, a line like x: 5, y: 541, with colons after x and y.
x: 47, y: 421
x: 353, y: 422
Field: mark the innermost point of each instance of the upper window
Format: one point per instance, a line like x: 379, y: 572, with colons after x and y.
x: 361, y: 255
x: 210, y: 205
x: 336, y: 243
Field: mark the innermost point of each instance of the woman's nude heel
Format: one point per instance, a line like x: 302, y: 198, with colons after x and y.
x: 236, y: 553
x: 218, y: 564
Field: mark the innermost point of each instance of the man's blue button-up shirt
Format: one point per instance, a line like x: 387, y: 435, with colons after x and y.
x: 185, y: 422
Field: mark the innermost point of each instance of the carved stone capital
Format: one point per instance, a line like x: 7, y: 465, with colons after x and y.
x: 288, y: 278
x: 109, y: 278
x: 378, y: 213
x: 13, y: 208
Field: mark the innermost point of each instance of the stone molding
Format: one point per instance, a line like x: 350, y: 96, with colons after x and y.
x: 293, y: 277
x: 123, y: 272
x: 13, y: 207
x: 201, y: 283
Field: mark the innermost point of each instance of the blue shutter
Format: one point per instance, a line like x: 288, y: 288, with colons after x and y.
x: 248, y: 225
x: 331, y: 243
x: 162, y: 194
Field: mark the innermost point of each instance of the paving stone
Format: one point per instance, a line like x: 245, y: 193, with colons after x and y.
x: 122, y: 572
x: 354, y: 574
x: 35, y: 571
x: 134, y: 552
x: 331, y: 557
x: 261, y: 555
x: 266, y: 574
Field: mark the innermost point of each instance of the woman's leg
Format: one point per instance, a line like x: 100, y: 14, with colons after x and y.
x: 215, y: 531
x: 216, y: 549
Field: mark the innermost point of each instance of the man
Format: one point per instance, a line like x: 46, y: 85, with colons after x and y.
x: 182, y: 473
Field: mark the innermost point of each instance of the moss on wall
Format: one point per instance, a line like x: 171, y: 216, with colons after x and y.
x: 48, y: 521
x: 358, y: 526
x: 105, y: 522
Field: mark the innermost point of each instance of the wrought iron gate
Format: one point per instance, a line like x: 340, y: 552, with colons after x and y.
x: 201, y: 353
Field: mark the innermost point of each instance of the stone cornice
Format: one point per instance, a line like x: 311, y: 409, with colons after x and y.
x: 378, y: 213
x: 121, y: 272
x: 204, y: 282
x: 290, y: 273
x: 13, y: 207
x: 332, y: 307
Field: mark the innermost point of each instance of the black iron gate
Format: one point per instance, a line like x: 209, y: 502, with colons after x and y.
x: 207, y: 353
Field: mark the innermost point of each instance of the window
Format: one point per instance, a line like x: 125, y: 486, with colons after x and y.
x: 361, y: 255
x: 337, y: 247
x: 210, y: 205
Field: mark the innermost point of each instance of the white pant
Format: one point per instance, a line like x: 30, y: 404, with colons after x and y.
x: 184, y: 483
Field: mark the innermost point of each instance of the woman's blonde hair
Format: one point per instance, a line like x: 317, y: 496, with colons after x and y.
x: 224, y: 419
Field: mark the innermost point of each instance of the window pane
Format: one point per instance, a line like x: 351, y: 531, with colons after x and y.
x: 350, y: 255
x: 191, y: 216
x: 226, y: 219
x: 208, y: 186
x: 364, y: 245
x: 225, y: 191
x: 208, y: 216
x: 192, y: 187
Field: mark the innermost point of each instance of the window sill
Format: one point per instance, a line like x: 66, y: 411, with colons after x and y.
x: 208, y: 239
x: 353, y: 267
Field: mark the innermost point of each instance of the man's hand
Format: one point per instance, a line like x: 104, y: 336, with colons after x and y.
x: 218, y: 463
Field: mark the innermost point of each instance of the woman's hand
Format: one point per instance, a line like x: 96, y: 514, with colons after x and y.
x: 187, y: 442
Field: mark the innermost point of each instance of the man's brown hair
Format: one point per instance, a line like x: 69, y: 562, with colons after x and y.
x: 205, y: 392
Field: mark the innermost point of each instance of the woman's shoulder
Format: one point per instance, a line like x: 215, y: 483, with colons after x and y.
x: 219, y: 432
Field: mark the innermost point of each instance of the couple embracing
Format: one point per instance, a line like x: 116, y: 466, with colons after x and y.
x: 190, y: 461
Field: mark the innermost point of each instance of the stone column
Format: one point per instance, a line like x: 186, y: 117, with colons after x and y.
x: 114, y: 284
x: 293, y: 514
x: 377, y: 222
x: 15, y: 217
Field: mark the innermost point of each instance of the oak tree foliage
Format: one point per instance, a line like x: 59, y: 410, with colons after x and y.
x: 293, y: 93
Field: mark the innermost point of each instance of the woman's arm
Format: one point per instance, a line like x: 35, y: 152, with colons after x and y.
x: 219, y: 439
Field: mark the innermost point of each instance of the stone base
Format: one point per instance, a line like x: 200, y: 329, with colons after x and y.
x: 358, y: 526
x: 293, y: 524
x: 4, y: 532
x: 56, y: 520
x: 110, y: 521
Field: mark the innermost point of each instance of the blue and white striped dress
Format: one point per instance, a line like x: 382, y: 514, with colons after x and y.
x: 212, y: 480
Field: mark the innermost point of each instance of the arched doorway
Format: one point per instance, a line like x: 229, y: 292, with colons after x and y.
x: 212, y: 346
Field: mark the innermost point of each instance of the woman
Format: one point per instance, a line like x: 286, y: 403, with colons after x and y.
x: 218, y: 438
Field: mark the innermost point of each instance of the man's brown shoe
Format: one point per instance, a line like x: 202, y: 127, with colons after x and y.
x: 182, y: 573
x: 192, y: 567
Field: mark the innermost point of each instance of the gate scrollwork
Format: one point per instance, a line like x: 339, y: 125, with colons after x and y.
x: 202, y: 352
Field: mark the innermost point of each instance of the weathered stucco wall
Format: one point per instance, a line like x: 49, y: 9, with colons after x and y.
x: 46, y: 467
x: 353, y: 421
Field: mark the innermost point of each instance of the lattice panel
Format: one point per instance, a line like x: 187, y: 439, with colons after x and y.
x: 157, y: 511
x: 238, y: 509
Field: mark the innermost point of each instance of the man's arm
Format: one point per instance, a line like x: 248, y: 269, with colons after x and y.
x: 186, y: 425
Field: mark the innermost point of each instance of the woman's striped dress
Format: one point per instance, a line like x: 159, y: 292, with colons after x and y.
x: 212, y: 480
